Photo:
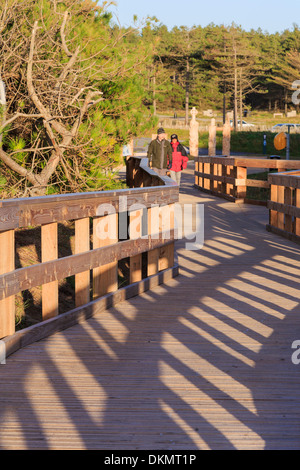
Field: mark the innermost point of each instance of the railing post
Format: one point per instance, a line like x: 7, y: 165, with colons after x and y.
x: 229, y: 173
x: 201, y: 170
x: 49, y: 253
x: 105, y: 233
x: 280, y: 199
x: 226, y: 138
x: 197, y: 170
x: 82, y: 244
x: 153, y: 229
x: 219, y: 173
x: 288, y: 196
x: 224, y: 184
x: 273, y: 217
x: 212, y: 138
x: 194, y: 134
x: 297, y: 219
x: 206, y: 181
x: 135, y: 231
x: 212, y: 174
x: 167, y: 218
x: 241, y: 190
x: 7, y: 264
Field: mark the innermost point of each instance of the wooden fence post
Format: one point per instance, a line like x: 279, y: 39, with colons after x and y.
x: 206, y: 181
x: 49, y: 253
x: 7, y: 264
x: 153, y: 229
x: 273, y: 218
x: 288, y: 224
x: 241, y: 190
x: 212, y: 173
x: 230, y: 173
x: 135, y: 231
x: 212, y: 139
x: 105, y: 233
x: 194, y: 134
x: 82, y: 244
x: 226, y: 138
x: 201, y: 170
x: 280, y: 199
x: 297, y: 219
x: 224, y: 184
x: 197, y: 165
x: 166, y: 255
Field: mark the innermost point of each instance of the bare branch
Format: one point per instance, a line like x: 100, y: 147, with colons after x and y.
x: 62, y: 34
x: 68, y: 67
x: 32, y: 93
x: 33, y: 178
x: 16, y: 116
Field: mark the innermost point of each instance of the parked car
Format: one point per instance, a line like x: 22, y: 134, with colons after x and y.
x: 244, y: 124
x: 187, y: 149
x: 284, y: 127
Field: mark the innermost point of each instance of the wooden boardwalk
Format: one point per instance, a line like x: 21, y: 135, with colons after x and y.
x: 202, y: 362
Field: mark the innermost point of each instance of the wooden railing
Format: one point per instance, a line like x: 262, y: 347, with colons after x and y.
x: 227, y: 176
x: 284, y: 205
x: 109, y: 226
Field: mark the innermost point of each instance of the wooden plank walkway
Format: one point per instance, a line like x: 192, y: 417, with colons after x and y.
x: 203, y: 362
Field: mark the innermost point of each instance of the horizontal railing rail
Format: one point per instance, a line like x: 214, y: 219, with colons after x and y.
x: 108, y: 226
x: 227, y: 176
x: 284, y: 205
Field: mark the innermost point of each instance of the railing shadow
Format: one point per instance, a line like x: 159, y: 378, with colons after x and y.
x: 203, y: 362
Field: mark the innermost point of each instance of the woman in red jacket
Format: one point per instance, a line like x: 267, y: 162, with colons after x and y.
x: 179, y: 159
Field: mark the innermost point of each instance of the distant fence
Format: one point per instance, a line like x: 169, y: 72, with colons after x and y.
x: 172, y: 123
x: 110, y: 226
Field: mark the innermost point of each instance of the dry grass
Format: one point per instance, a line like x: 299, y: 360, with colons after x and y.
x: 28, y: 252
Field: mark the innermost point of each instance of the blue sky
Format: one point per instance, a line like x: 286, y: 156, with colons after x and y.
x: 269, y: 15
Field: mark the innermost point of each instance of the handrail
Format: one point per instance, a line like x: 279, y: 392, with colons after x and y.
x: 25, y: 212
x: 227, y: 176
x: 109, y: 226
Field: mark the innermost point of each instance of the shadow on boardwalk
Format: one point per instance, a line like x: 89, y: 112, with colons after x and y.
x: 203, y: 362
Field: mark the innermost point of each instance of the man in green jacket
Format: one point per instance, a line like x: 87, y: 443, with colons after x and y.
x: 160, y: 153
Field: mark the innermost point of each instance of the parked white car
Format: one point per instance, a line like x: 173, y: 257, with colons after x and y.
x: 284, y: 127
x: 244, y: 124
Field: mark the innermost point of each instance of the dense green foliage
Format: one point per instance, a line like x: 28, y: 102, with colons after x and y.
x: 75, y: 94
x: 78, y: 87
x: 203, y: 62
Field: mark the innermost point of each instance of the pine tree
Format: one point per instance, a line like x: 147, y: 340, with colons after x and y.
x: 236, y: 62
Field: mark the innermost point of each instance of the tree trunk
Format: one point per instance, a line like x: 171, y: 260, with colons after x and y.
x: 224, y: 102
x: 241, y: 102
x: 187, y: 91
x: 285, y: 101
x: 154, y: 95
x: 235, y: 106
x: 235, y: 110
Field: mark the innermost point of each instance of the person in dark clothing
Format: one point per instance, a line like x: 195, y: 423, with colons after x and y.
x: 179, y: 159
x: 160, y: 153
